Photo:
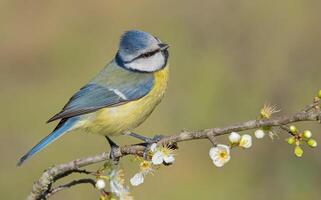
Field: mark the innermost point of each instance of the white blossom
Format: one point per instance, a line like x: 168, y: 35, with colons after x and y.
x: 246, y: 141
x: 220, y: 155
x: 161, y: 154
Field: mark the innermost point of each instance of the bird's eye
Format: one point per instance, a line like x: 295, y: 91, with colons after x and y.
x: 148, y: 54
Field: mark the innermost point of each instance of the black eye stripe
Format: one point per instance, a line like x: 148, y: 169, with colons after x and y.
x: 144, y: 55
x: 148, y: 54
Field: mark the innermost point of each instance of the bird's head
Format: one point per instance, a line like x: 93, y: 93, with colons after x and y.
x: 140, y: 51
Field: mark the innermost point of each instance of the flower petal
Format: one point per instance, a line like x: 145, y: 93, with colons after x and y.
x: 153, y: 147
x: 169, y: 159
x: 228, y: 158
x: 213, y: 152
x: 246, y: 141
x: 157, y: 158
x: 224, y: 148
x: 218, y: 162
x: 137, y: 179
x: 115, y: 187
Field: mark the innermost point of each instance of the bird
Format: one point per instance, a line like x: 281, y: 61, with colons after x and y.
x: 120, y: 97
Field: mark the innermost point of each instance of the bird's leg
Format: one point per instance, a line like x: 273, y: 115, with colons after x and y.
x: 113, y: 149
x: 147, y: 141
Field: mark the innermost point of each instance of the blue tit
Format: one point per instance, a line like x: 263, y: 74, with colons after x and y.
x: 121, y: 96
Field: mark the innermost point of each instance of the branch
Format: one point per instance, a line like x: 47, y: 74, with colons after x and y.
x: 42, y: 187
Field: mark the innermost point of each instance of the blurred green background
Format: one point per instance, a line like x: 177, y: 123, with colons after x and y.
x: 227, y: 59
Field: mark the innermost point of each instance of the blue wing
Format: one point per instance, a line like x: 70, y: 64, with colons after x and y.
x: 95, y: 96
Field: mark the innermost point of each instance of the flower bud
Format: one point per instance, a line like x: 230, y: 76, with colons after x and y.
x: 234, y: 137
x: 246, y: 141
x: 319, y: 94
x: 290, y: 140
x: 298, y: 151
x: 102, y: 197
x: 259, y: 133
x: 312, y: 143
x: 293, y: 129
x: 307, y: 134
x: 100, y: 184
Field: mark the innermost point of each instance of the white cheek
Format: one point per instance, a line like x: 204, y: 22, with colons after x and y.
x: 150, y: 64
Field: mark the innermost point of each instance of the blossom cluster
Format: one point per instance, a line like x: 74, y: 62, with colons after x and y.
x: 220, y: 153
x: 159, y: 155
x: 116, y: 179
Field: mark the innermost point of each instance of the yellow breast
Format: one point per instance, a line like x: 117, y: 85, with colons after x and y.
x: 115, y: 120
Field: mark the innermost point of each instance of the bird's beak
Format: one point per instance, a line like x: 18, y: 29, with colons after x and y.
x: 163, y: 46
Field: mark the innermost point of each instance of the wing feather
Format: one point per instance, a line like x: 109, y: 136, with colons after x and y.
x: 94, y: 96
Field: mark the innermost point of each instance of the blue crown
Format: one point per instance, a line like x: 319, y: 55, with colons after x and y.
x: 134, y: 41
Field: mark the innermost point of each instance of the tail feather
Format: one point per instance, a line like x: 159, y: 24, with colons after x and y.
x: 61, y: 130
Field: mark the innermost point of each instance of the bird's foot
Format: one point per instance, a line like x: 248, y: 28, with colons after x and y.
x: 114, y: 148
x: 147, y: 142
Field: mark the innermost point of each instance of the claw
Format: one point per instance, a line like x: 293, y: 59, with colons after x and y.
x: 113, y: 149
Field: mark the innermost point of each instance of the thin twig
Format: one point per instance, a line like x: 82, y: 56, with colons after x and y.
x: 69, y: 185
